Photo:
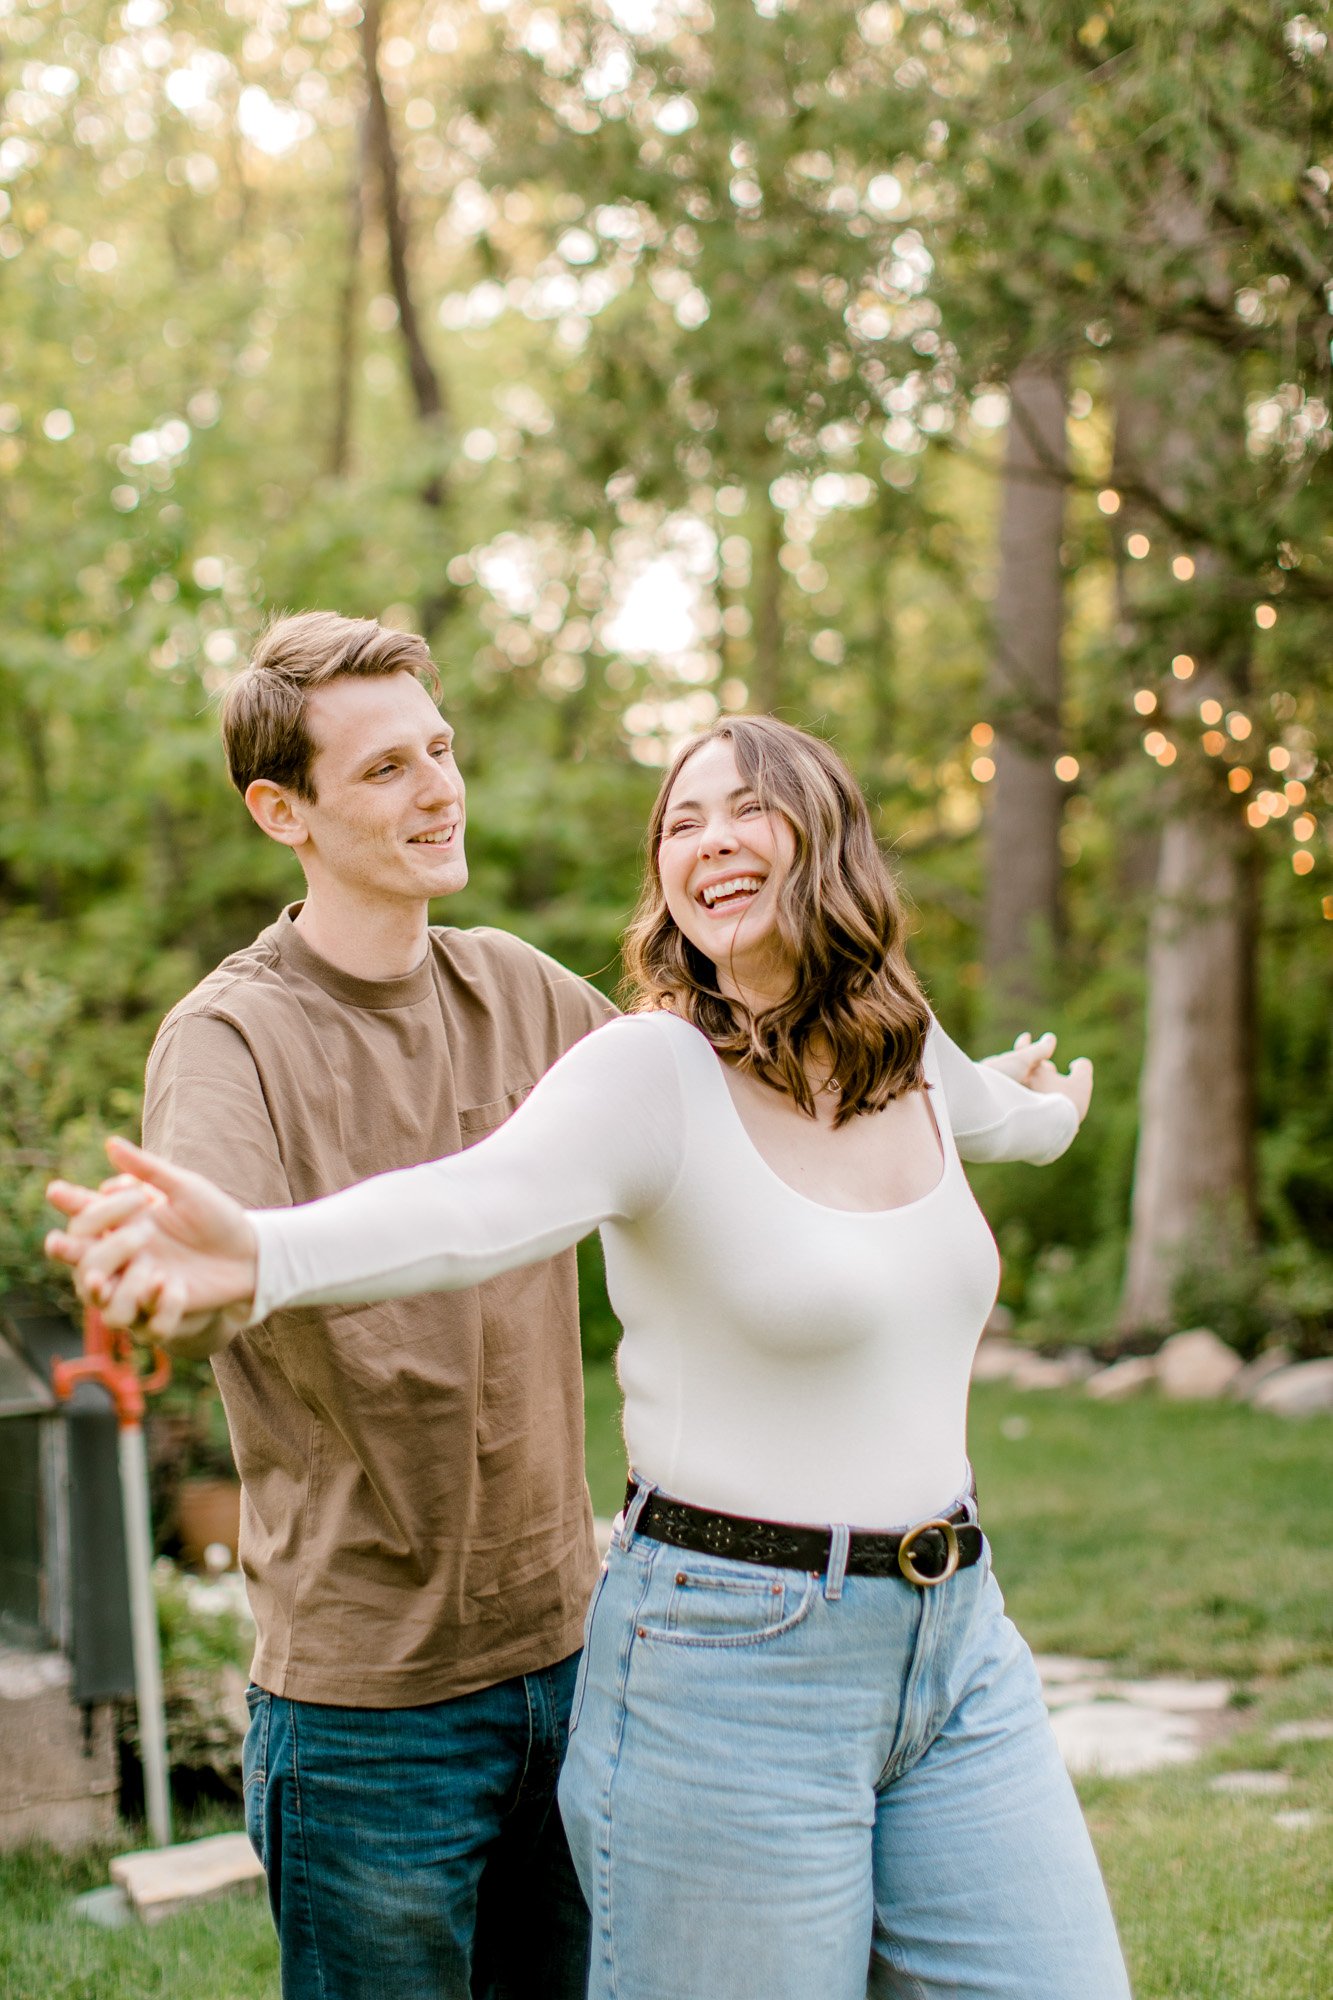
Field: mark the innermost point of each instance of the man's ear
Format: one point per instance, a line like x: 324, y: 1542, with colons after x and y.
x: 277, y: 812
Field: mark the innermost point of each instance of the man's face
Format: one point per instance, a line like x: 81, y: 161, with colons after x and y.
x: 387, y: 817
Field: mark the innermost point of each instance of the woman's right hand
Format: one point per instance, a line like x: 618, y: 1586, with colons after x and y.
x: 159, y: 1249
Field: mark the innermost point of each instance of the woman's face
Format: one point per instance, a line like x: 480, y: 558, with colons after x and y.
x: 721, y: 861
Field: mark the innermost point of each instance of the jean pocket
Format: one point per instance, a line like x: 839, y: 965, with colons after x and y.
x: 733, y: 1604
x: 254, y: 1766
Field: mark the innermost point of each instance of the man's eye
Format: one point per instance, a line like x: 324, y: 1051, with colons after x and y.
x: 443, y: 750
x: 381, y: 771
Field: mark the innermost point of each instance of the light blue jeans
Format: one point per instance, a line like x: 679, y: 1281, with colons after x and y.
x: 783, y: 1786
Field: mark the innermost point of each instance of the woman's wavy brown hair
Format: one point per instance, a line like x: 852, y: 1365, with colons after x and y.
x: 855, y: 998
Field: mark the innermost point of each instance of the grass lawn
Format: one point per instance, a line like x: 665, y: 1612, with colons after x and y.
x: 1171, y: 1539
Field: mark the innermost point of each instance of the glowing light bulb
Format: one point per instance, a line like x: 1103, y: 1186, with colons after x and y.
x: 1145, y: 701
x: 1109, y: 500
x: 1154, y: 743
x: 1239, y: 725
x: 1302, y: 861
x: 1265, y: 617
x: 1137, y: 546
x: 1239, y: 779
x: 983, y: 770
x: 1182, y: 568
x: 1304, y: 827
x: 1279, y: 757
x: 1210, y: 711
x: 982, y: 735
x: 1066, y: 769
x: 1182, y: 666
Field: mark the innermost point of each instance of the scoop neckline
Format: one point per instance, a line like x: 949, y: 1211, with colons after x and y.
x: 824, y: 1207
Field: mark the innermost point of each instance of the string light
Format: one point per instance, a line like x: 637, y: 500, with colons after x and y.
x: 1279, y: 757
x: 1145, y: 701
x: 1154, y: 743
x: 982, y: 734
x: 1255, y: 813
x: 1109, y: 500
x: 1328, y: 907
x: 983, y: 770
x: 1137, y: 546
x: 1304, y: 827
x: 1239, y: 725
x: 1166, y: 755
x: 1273, y: 804
x: 1240, y: 780
x: 1182, y: 568
x: 1302, y: 861
x: 1210, y: 711
x: 1066, y: 769
x: 1294, y: 792
x: 1265, y: 617
x: 1182, y: 666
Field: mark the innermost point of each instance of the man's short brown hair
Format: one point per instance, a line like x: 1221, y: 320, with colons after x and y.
x: 264, y: 731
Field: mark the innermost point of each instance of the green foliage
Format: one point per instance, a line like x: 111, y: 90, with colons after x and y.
x: 1279, y: 1296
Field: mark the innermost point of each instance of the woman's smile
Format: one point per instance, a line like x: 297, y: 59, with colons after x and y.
x: 722, y: 858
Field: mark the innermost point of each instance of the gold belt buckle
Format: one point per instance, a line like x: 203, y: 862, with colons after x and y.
x: 909, y: 1568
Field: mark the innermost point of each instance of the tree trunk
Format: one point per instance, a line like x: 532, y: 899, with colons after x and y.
x: 349, y: 298
x: 1193, y: 1174
x: 767, y: 689
x: 1194, y: 1181
x: 1023, y: 883
x: 427, y: 391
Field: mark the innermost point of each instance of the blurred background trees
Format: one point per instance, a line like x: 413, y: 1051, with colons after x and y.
x: 952, y: 379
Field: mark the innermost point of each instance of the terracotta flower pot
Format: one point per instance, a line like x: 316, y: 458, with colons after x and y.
x: 207, y: 1511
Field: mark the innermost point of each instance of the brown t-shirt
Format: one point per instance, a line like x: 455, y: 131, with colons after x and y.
x: 415, y: 1520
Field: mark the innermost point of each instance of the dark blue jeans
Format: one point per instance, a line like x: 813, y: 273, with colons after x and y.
x: 417, y: 1853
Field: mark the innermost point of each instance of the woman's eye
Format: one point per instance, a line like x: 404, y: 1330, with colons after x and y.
x: 749, y: 809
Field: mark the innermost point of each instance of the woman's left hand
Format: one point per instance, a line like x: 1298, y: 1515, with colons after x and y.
x: 1030, y: 1063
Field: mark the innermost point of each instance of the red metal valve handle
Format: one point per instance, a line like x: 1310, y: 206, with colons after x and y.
x: 108, y: 1359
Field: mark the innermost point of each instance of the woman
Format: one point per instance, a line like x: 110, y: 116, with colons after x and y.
x: 809, y: 1755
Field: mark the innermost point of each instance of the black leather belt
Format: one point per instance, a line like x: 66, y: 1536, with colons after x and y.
x: 927, y: 1554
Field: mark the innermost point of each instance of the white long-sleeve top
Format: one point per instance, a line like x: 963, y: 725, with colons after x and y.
x: 781, y: 1359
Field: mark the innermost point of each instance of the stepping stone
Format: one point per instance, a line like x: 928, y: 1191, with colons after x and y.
x: 108, y: 1908
x: 1122, y: 1378
x: 1302, y: 1732
x: 163, y: 1880
x: 1178, y: 1697
x: 1116, y: 1739
x: 996, y: 1360
x: 1251, y: 1784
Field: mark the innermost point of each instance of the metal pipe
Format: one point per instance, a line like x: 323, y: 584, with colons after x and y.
x: 143, y: 1626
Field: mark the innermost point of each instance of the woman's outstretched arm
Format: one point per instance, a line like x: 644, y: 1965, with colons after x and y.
x: 598, y: 1138
x: 997, y: 1116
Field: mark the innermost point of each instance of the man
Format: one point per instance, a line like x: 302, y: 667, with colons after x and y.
x: 416, y: 1535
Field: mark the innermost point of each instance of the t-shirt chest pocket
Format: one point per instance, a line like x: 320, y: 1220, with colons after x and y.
x: 483, y: 1119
